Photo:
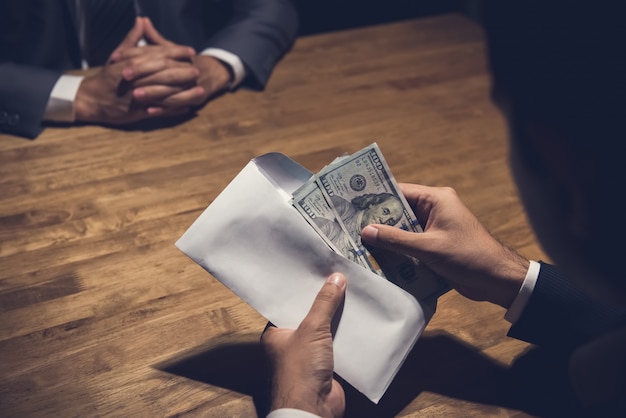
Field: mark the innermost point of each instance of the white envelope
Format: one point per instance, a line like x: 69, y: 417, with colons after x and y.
x: 253, y: 241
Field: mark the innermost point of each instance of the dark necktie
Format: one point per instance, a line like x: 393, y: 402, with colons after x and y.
x: 105, y: 24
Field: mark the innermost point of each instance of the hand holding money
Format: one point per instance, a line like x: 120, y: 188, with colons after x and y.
x: 352, y: 192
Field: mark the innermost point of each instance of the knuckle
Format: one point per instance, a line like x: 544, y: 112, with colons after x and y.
x: 134, y: 62
x: 448, y: 191
x: 165, y: 78
x: 178, y: 50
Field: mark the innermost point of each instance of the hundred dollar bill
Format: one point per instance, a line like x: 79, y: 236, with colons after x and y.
x: 361, y: 190
x: 312, y: 205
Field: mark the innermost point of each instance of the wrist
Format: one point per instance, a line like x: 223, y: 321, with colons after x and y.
x: 215, y: 76
x: 85, y: 106
x: 511, y: 273
x: 300, y: 405
x: 232, y: 61
x: 293, y: 396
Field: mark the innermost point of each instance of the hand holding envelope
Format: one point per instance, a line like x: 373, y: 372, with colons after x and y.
x: 287, y: 261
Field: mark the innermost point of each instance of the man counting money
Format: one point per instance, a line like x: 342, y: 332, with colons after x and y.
x: 558, y: 77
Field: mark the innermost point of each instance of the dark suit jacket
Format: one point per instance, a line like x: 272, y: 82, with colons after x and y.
x: 38, y: 41
x: 562, y: 318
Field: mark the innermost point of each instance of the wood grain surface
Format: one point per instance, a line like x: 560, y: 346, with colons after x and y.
x: 100, y: 315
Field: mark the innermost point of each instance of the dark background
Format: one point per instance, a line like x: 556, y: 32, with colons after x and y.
x: 318, y: 16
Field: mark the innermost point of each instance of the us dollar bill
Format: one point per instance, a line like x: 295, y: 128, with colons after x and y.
x: 361, y: 190
x: 310, y: 202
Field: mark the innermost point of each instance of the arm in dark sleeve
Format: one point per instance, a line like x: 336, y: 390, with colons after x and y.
x: 259, y: 33
x: 560, y: 316
x: 24, y: 94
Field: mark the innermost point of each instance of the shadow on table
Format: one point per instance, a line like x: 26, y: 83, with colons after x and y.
x: 439, y: 363
x: 238, y: 364
x: 157, y: 123
x: 146, y: 125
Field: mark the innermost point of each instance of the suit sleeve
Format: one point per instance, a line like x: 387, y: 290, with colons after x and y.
x: 560, y: 316
x: 259, y: 33
x: 24, y: 94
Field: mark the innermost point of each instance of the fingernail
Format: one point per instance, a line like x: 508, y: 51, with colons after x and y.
x: 199, y: 90
x: 127, y: 73
x: 139, y: 92
x: 115, y: 56
x: 337, y: 279
x: 192, y: 51
x: 369, y: 233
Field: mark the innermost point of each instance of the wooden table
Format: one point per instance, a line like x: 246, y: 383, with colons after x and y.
x: 100, y: 315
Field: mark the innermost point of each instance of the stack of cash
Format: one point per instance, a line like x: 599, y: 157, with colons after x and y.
x: 352, y: 192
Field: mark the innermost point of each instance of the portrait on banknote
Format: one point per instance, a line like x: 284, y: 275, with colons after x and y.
x: 312, y: 205
x: 369, y: 208
x: 359, y: 190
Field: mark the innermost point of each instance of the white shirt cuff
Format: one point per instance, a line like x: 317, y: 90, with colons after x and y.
x: 60, y: 107
x: 291, y: 413
x: 523, y: 296
x: 230, y: 59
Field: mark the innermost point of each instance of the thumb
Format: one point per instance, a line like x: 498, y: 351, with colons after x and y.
x: 394, y: 239
x: 326, y: 302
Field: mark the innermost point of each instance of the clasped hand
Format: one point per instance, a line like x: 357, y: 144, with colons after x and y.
x: 160, y: 78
